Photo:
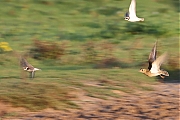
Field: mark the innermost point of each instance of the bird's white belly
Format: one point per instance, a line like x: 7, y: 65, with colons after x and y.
x: 155, y: 73
x: 135, y: 19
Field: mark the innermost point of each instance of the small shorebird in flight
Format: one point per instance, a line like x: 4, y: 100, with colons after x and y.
x: 28, y: 67
x: 154, y: 64
x: 131, y: 15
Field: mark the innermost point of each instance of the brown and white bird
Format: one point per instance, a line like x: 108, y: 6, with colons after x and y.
x: 28, y: 67
x: 131, y: 14
x: 155, y: 64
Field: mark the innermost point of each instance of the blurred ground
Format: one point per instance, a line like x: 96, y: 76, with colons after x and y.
x: 160, y: 104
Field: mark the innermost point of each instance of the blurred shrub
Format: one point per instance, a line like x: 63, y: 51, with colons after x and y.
x: 141, y: 28
x: 4, y: 47
x: 101, y: 53
x: 47, y: 50
x: 106, y: 49
x: 90, y: 51
x: 173, y: 68
x: 173, y: 62
x: 110, y: 30
x: 108, y: 63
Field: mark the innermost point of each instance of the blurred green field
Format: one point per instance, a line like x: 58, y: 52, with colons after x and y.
x: 79, y: 24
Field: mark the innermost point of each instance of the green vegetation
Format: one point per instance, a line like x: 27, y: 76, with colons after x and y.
x: 98, y: 50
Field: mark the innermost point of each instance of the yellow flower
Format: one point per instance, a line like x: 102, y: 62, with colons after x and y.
x: 5, y: 46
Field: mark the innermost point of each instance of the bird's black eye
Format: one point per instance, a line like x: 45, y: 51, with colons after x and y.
x: 127, y: 18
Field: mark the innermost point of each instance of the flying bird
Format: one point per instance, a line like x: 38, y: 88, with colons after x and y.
x: 28, y: 67
x: 155, y: 64
x: 131, y: 15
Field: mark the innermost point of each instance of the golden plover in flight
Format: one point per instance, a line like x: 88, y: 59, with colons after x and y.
x: 154, y: 64
x: 28, y: 67
x: 131, y: 15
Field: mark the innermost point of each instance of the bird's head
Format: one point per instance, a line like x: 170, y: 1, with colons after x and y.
x: 127, y: 16
x: 26, y: 68
x: 142, y: 70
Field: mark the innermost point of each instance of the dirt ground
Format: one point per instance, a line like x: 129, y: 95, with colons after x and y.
x: 161, y: 104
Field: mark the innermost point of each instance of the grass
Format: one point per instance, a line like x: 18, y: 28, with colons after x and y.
x: 100, y: 23
x: 52, y: 88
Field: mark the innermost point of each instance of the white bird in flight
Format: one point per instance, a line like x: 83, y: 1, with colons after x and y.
x: 28, y: 67
x: 131, y: 15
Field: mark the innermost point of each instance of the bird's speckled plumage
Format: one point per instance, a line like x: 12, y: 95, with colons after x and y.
x: 154, y: 64
x: 28, y: 67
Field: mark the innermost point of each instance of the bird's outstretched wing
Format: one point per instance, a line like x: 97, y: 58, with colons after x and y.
x: 157, y: 63
x: 152, y: 55
x: 132, y: 8
x: 24, y: 63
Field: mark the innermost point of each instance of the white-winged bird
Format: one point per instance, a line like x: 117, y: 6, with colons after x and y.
x: 28, y: 67
x: 155, y: 64
x: 131, y: 15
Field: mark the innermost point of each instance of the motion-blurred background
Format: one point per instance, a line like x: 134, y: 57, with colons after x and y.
x: 84, y: 44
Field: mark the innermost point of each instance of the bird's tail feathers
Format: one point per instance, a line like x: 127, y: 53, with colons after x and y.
x: 141, y: 19
x: 165, y: 73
